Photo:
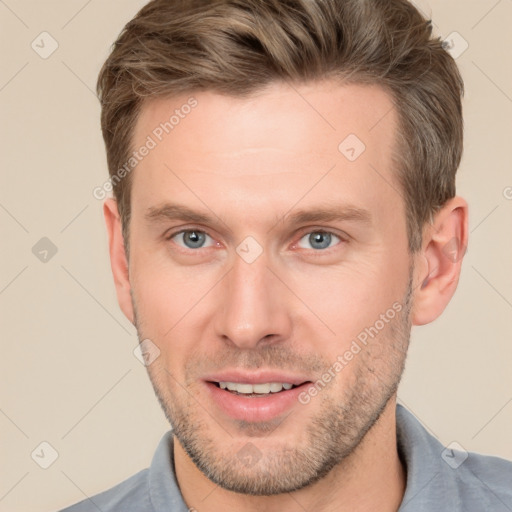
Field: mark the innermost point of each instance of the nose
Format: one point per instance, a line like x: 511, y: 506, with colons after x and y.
x: 252, y: 308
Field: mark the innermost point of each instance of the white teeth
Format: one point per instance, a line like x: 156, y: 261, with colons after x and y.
x: 261, y: 388
x: 244, y: 388
x: 264, y: 389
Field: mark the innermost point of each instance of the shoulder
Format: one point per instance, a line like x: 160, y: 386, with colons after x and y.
x: 486, y: 476
x: 154, y: 489
x: 129, y: 496
x: 446, y: 478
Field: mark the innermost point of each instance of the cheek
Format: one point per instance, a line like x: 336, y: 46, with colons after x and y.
x: 348, y: 299
x: 169, y: 299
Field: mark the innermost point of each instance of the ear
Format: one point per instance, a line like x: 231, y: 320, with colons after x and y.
x: 440, y: 261
x: 118, y: 260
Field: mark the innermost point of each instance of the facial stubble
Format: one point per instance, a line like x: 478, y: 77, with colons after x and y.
x: 331, y: 435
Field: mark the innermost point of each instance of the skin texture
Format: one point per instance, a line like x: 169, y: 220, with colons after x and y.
x: 250, y: 164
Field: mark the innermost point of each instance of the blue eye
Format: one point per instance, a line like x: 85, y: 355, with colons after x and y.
x: 195, y: 239
x: 318, y: 240
x: 191, y: 239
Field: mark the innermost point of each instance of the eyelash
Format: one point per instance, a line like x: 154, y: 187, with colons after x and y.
x: 310, y: 231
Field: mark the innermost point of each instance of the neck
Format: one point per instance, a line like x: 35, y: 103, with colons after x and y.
x: 371, y: 478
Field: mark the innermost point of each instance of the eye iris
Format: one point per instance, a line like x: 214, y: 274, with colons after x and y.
x: 320, y: 240
x: 193, y: 239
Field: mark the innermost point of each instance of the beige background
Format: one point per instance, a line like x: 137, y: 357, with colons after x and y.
x: 69, y: 376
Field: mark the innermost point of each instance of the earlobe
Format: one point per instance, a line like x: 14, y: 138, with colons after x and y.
x: 118, y: 259
x: 444, y: 246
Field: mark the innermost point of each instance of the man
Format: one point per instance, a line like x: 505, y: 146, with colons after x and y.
x: 284, y: 211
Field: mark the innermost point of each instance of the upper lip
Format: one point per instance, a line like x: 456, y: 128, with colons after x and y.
x: 259, y: 377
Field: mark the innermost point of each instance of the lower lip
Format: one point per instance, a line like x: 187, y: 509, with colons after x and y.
x: 255, y: 408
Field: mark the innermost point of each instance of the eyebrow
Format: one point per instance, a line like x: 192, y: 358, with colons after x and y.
x: 331, y: 213
x: 169, y: 211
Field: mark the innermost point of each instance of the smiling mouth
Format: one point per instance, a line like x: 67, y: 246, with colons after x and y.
x: 256, y: 390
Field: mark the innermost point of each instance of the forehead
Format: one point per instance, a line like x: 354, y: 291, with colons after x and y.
x: 306, y: 117
x: 284, y: 137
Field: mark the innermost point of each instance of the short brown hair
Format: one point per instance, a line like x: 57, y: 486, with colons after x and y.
x: 237, y: 47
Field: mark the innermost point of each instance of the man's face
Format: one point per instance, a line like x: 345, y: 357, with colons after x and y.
x: 298, y: 248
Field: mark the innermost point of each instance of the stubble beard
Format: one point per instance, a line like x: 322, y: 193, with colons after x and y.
x: 330, y: 437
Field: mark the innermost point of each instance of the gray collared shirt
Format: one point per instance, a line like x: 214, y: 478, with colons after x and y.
x: 438, y: 479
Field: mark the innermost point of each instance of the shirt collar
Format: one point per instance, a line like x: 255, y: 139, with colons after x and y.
x: 164, y: 492
x: 427, y: 473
